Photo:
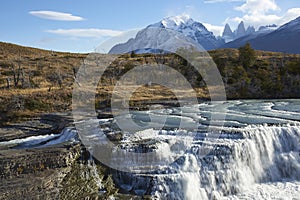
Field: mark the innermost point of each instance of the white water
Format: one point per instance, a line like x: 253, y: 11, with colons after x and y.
x: 265, y: 155
x: 277, y: 190
x: 67, y: 135
x: 185, y: 180
x: 252, y: 160
x: 257, y: 156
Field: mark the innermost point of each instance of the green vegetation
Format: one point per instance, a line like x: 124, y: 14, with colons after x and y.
x: 258, y: 74
x: 247, y: 56
x: 293, y: 67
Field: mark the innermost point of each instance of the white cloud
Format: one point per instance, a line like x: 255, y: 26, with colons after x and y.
x: 267, y: 19
x: 258, y: 6
x: 52, y: 15
x: 259, y: 13
x: 217, y: 30
x: 291, y: 14
x: 92, y: 32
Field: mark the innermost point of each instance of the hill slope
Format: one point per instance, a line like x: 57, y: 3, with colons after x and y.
x: 46, y: 78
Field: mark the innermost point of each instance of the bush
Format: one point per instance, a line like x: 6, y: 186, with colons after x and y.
x: 247, y: 56
x: 35, y: 104
x: 293, y: 67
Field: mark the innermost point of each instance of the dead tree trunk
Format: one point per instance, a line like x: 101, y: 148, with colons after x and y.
x: 8, y: 83
x: 16, y: 74
x: 23, y: 82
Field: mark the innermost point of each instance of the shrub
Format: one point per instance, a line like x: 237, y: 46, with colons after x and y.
x: 247, y: 56
x: 293, y: 67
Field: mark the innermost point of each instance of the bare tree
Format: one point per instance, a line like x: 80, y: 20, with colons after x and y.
x: 8, y: 82
x: 16, y: 73
x: 55, y: 78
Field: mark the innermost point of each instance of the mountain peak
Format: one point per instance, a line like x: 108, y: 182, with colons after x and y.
x: 250, y: 30
x: 227, y: 31
x: 228, y: 35
x: 267, y: 28
x: 176, y: 21
x: 241, y: 31
x: 158, y: 35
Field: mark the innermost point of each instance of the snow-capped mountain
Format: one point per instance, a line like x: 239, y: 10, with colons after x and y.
x: 181, y: 31
x: 270, y: 38
x: 268, y: 28
x: 193, y: 29
x: 158, y: 35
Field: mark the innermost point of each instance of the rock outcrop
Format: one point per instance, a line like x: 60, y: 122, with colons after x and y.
x: 35, y: 173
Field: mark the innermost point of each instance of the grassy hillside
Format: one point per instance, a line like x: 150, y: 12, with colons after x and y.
x: 34, y: 81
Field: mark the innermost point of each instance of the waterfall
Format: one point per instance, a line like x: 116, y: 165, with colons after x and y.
x: 182, y: 184
x: 264, y: 154
x: 256, y: 156
x: 189, y: 177
x: 271, y: 153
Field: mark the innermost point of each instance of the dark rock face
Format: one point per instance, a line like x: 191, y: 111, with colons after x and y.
x: 35, y: 173
x: 17, y: 162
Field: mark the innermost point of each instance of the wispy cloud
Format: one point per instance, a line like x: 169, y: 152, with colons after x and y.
x: 220, y: 1
x: 91, y: 32
x: 53, y: 15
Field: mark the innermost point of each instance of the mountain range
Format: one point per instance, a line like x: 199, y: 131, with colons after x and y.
x: 229, y: 35
x: 286, y: 38
x: 160, y: 35
x: 169, y: 33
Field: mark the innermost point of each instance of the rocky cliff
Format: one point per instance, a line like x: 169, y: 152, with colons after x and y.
x: 35, y: 173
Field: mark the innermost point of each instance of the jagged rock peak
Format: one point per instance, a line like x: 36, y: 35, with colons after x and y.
x: 250, y: 30
x: 227, y: 31
x: 241, y: 31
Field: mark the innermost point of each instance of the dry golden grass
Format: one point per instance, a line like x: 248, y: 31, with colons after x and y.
x: 38, y: 65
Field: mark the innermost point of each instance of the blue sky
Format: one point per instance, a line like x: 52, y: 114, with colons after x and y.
x: 80, y: 26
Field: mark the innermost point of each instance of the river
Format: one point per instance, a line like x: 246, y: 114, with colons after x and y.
x: 253, y: 153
